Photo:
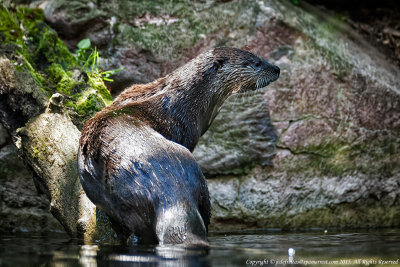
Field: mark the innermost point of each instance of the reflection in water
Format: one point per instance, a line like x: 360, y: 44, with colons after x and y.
x: 233, y: 249
x: 90, y: 255
x: 87, y: 255
x: 130, y: 258
x: 291, y: 253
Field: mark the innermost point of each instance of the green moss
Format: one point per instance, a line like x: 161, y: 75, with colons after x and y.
x: 36, y: 44
x: 88, y: 106
x: 192, y: 22
x: 337, y: 158
x: 37, y: 76
x: 97, y: 83
x: 38, y: 152
x: 91, y: 100
x: 11, y: 23
x: 57, y: 194
x: 38, y: 51
x: 51, y: 48
x: 61, y: 79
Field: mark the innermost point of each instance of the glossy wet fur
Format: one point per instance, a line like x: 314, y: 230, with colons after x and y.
x: 135, y: 161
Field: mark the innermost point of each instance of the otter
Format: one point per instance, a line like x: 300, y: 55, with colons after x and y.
x: 135, y: 161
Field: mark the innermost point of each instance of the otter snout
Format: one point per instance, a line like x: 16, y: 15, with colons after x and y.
x: 272, y: 72
x: 268, y: 74
x: 276, y: 71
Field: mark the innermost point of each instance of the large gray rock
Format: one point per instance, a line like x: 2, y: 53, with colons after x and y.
x: 336, y: 110
x: 261, y: 199
x: 22, y: 209
x: 241, y: 136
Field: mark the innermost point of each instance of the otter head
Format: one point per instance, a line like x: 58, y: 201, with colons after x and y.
x: 227, y: 71
x: 241, y: 70
x: 185, y: 102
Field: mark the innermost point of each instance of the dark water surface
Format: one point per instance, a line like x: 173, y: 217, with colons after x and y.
x: 256, y: 248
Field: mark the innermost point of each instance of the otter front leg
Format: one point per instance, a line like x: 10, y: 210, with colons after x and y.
x: 123, y: 233
x: 181, y: 224
x: 129, y: 237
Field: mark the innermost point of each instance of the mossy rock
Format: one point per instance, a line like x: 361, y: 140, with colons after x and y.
x: 38, y: 50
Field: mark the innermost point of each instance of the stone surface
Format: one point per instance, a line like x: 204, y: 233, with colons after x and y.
x: 240, y: 137
x: 261, y: 199
x: 49, y: 143
x: 20, y: 97
x: 42, y: 95
x: 336, y: 110
x: 22, y: 209
x: 4, y: 136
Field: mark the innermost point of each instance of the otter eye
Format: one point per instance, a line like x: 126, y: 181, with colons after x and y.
x: 219, y: 63
x: 256, y: 64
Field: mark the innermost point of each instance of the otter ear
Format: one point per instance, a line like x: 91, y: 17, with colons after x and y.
x: 217, y: 64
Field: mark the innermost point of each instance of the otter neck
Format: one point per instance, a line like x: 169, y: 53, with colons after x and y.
x: 183, y: 116
x: 180, y: 113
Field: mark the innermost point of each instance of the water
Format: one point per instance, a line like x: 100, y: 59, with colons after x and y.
x: 254, y: 248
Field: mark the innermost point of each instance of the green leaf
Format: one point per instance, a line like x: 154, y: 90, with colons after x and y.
x: 108, y: 73
x: 84, y: 44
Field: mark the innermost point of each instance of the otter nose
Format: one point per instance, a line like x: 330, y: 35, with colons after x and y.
x: 277, y: 70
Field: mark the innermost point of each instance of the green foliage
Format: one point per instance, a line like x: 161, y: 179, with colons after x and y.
x: 88, y: 59
x: 82, y: 51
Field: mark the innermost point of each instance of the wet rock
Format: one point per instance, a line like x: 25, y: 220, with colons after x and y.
x: 306, y: 133
x: 242, y: 135
x: 336, y: 110
x: 140, y: 66
x: 274, y: 200
x: 42, y: 127
x: 3, y: 135
x: 80, y: 20
x: 20, y: 99
x: 22, y: 209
